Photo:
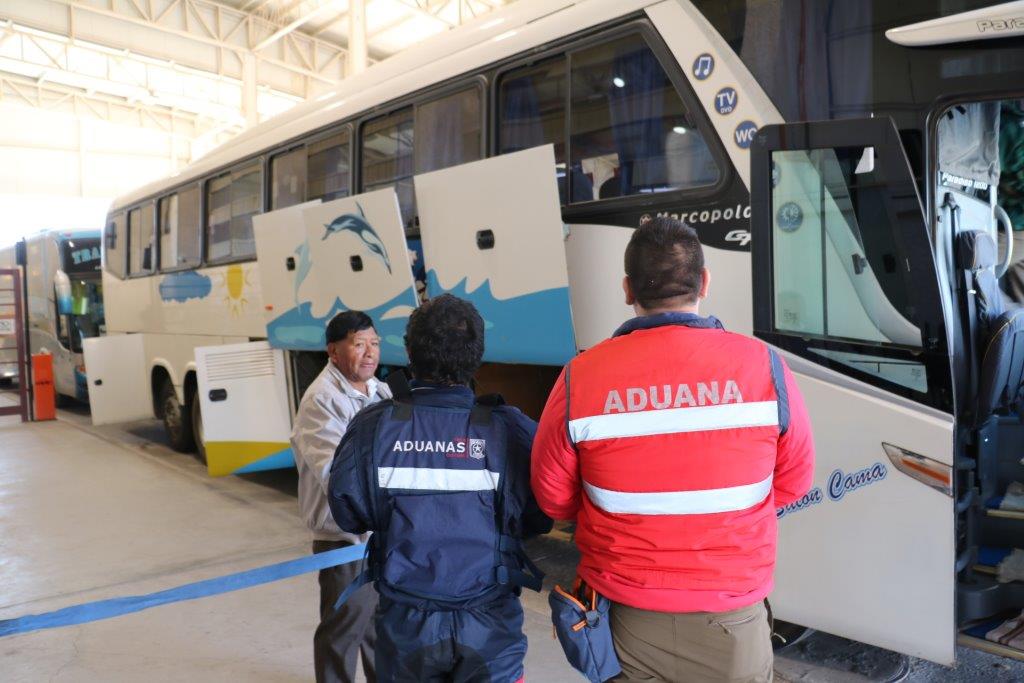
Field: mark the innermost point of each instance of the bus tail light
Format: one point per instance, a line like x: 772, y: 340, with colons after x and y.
x: 927, y: 471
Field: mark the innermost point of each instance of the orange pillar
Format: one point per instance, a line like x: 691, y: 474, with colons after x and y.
x: 44, y: 395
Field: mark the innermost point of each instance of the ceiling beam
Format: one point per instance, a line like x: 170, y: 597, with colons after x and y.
x: 285, y: 30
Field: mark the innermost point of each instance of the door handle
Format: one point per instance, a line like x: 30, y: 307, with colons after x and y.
x: 484, y: 239
x: 218, y: 394
x: 356, y: 262
x: 98, y: 382
x: 289, y: 263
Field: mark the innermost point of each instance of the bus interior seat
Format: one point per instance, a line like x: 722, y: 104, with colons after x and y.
x: 1000, y: 336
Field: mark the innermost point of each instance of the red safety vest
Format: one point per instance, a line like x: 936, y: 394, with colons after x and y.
x: 677, y: 431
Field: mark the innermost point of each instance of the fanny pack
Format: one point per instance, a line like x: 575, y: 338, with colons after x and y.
x: 582, y: 627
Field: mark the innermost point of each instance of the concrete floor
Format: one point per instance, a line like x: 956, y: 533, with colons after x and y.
x: 92, y: 513
x: 97, y: 513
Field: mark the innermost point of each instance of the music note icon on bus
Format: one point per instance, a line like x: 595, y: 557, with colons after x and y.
x: 703, y: 66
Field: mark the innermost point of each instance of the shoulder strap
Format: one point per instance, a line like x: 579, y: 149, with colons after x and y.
x: 401, y: 394
x: 483, y: 409
x: 782, y: 395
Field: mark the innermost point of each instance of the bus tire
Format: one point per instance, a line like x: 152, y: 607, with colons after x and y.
x: 197, y: 427
x: 177, y: 420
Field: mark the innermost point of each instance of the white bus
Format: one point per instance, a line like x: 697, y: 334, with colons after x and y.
x: 62, y: 282
x: 842, y: 163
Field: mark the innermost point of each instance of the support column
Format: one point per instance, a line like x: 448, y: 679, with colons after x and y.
x: 356, y: 58
x: 249, y: 110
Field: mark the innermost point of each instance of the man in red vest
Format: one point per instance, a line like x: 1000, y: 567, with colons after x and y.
x: 671, y: 445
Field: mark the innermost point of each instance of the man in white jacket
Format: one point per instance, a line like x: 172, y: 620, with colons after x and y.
x: 344, y: 387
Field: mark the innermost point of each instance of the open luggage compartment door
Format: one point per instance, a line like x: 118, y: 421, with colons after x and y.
x: 360, y: 261
x: 243, y: 397
x: 493, y: 234
x: 118, y: 380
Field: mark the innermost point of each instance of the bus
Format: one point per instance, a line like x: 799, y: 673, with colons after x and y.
x: 63, y: 288
x: 853, y: 171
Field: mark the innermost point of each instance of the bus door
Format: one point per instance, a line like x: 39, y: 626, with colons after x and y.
x: 493, y: 234
x: 360, y: 261
x: 282, y: 258
x: 845, y: 284
x: 243, y: 399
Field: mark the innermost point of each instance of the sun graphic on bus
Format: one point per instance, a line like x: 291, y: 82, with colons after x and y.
x: 235, y: 280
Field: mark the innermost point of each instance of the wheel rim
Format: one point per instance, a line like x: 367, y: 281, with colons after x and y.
x: 172, y: 415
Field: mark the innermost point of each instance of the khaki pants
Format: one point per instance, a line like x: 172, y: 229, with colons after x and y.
x: 734, y: 647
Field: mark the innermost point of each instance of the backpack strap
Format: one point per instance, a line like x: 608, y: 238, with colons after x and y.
x: 781, y: 393
x: 532, y: 578
x: 483, y: 409
x: 401, y: 394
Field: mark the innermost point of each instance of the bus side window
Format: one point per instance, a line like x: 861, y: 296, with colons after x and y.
x: 531, y: 112
x: 288, y: 179
x: 140, y: 240
x: 387, y: 159
x: 114, y: 245
x: 629, y: 130
x: 179, y: 229
x: 329, y: 168
x: 449, y: 131
x: 232, y: 200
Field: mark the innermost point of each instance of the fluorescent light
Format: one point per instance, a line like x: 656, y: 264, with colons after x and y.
x: 619, y: 83
x: 679, y: 129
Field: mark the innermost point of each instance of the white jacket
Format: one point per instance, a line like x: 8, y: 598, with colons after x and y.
x: 326, y: 408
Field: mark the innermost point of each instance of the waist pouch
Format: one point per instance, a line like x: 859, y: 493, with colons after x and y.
x: 583, y: 628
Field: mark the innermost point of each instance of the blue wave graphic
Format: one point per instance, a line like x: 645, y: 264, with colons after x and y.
x: 534, y: 328
x: 297, y: 329
x: 283, y: 459
x: 181, y: 287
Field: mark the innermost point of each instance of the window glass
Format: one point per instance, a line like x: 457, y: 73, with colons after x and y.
x: 232, y: 200
x: 288, y: 179
x: 140, y: 240
x: 114, y: 243
x: 629, y: 130
x: 387, y: 159
x: 531, y: 112
x: 838, y: 268
x: 179, y: 229
x: 448, y: 131
x: 329, y: 168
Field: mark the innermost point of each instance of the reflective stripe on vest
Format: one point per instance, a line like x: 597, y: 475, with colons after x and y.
x: 674, y: 421
x: 704, y: 502
x: 437, y: 479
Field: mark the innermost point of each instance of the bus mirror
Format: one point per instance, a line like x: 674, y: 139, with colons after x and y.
x: 62, y: 291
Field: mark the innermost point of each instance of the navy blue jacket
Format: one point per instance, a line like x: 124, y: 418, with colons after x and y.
x: 349, y: 492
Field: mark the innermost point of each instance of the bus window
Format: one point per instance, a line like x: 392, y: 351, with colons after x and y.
x: 531, y: 112
x: 114, y: 245
x: 329, y: 168
x: 288, y: 179
x: 232, y: 200
x: 140, y: 240
x: 449, y: 131
x: 387, y: 145
x: 629, y: 130
x: 179, y: 230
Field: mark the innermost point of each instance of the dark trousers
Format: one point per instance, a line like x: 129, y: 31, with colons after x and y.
x: 344, y: 633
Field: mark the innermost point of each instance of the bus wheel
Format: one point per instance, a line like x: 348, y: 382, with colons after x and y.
x: 197, y: 428
x: 177, y: 421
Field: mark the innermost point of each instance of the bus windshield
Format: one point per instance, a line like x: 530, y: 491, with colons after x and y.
x: 81, y: 261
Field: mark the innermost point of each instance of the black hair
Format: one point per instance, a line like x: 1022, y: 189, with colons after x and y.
x: 664, y: 261
x: 445, y: 340
x: 345, y: 322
